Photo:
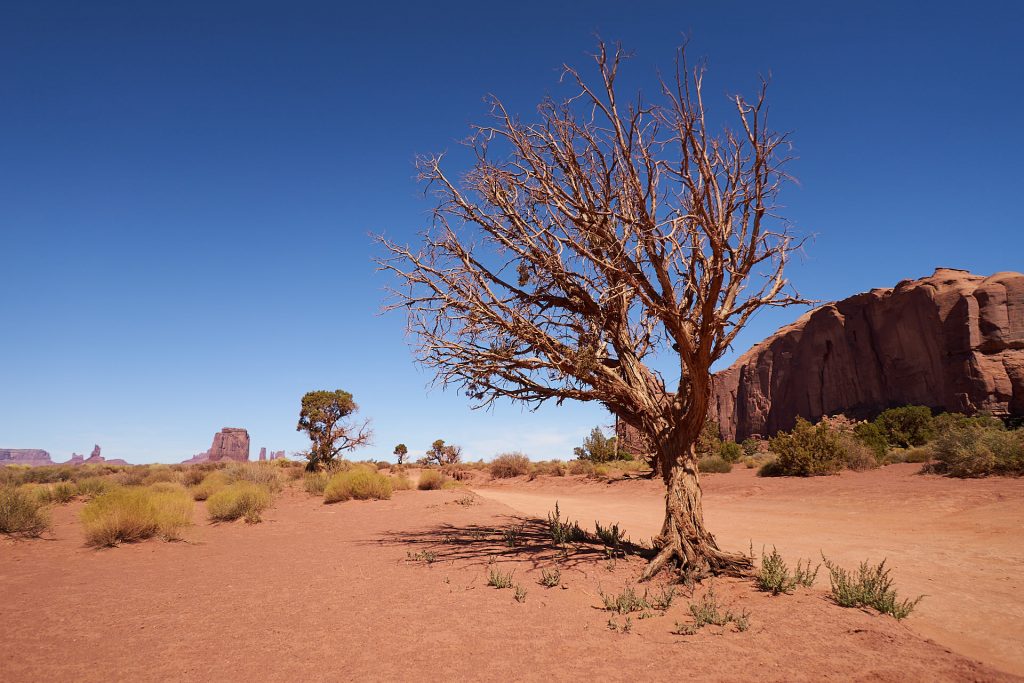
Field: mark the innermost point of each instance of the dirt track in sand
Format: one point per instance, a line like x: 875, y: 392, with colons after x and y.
x: 959, y: 542
x: 330, y: 593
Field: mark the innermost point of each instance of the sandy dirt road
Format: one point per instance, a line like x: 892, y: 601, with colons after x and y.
x: 959, y: 542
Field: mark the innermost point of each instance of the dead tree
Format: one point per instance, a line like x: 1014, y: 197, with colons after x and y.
x: 583, y: 244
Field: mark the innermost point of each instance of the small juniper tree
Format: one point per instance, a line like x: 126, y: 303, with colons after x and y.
x: 325, y: 417
x: 401, y: 450
x: 443, y: 454
x: 597, y: 447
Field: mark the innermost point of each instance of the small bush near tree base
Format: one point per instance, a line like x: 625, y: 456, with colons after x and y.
x: 774, y: 576
x: 241, y: 499
x: 22, y: 513
x: 807, y: 451
x: 869, y: 586
x: 315, y: 482
x: 509, y: 465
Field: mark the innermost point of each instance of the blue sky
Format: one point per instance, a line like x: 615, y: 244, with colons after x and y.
x: 187, y: 190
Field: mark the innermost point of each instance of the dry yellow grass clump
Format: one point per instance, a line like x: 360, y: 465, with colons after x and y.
x: 124, y: 515
x: 22, y: 513
x: 241, y: 499
x: 359, y: 483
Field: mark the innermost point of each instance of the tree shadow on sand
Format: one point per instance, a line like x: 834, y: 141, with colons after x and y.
x: 517, y: 539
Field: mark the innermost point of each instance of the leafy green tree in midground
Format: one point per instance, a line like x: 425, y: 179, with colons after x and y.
x: 326, y: 418
x: 401, y: 450
x: 597, y: 447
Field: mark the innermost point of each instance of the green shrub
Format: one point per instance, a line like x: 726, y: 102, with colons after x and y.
x: 124, y: 515
x: 770, y: 468
x: 211, y: 483
x: 22, y: 513
x: 563, y: 532
x: 870, y: 435
x: 975, y: 450
x: 773, y: 576
x: 596, y: 447
x: 807, y: 451
x: 714, y: 464
x: 509, y: 465
x: 751, y: 447
x: 906, y: 426
x: 857, y: 456
x: 241, y: 499
x: 625, y: 602
x: 359, y: 483
x: 707, y: 611
x: 730, y: 451
x: 871, y: 586
x: 430, y: 480
x: 612, y: 536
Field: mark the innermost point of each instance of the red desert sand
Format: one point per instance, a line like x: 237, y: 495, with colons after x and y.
x: 398, y: 589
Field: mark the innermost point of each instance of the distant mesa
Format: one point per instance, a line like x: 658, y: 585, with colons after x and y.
x: 274, y: 455
x: 37, y: 457
x: 229, y: 444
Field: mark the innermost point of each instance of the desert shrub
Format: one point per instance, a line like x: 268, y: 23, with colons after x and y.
x: 751, y: 447
x: 91, y: 487
x: 192, y: 476
x: 895, y: 456
x: 918, y: 454
x: 509, y: 465
x: 714, y: 464
x: 856, y: 455
x: 359, y: 484
x: 499, y: 579
x: 551, y: 468
x: 581, y: 467
x: 870, y: 586
x: 625, y: 602
x: 975, y: 450
x: 64, y: 492
x: 124, y: 515
x: 519, y: 594
x: 430, y: 480
x: 770, y: 468
x: 869, y: 434
x: 600, y: 472
x: 549, y: 578
x: 773, y: 575
x: 707, y: 611
x: 806, y: 451
x: 255, y: 473
x: 241, y: 499
x: 315, y: 482
x: 132, y: 476
x: 157, y: 473
x: 401, y: 482
x: 612, y: 536
x: 22, y: 513
x: 211, y: 483
x: 906, y: 426
x: 730, y: 451
x: 564, y: 531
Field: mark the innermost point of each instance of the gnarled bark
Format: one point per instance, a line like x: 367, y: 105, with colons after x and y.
x: 684, y: 543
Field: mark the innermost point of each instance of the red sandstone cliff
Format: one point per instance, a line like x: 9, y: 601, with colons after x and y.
x: 952, y: 341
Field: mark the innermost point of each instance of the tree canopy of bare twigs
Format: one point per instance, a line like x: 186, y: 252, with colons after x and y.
x: 584, y: 242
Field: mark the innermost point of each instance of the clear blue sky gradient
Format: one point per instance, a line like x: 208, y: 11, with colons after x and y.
x: 187, y: 189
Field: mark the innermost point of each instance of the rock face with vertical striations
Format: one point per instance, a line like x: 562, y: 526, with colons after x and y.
x: 230, y: 443
x: 953, y: 341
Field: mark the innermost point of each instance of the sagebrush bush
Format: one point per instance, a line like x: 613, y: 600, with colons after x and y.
x: 714, y: 464
x: 974, y: 449
x: 401, y: 482
x: 241, y: 499
x: 870, y: 586
x: 63, y: 492
x: 430, y: 480
x: 315, y: 482
x: 211, y: 483
x: 22, y: 513
x: 262, y: 474
x: 158, y: 473
x: 359, y: 484
x: 192, y: 476
x: 857, y: 456
x: 509, y: 465
x: 91, y: 487
x: 806, y: 451
x: 581, y: 467
x: 124, y: 515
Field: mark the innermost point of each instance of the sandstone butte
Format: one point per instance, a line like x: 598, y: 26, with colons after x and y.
x: 952, y: 341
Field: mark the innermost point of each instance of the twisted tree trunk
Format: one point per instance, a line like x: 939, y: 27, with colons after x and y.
x: 684, y: 543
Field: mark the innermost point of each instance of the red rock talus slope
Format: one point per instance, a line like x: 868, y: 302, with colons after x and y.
x: 952, y: 341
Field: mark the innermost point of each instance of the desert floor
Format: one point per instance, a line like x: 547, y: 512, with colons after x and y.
x: 345, y: 591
